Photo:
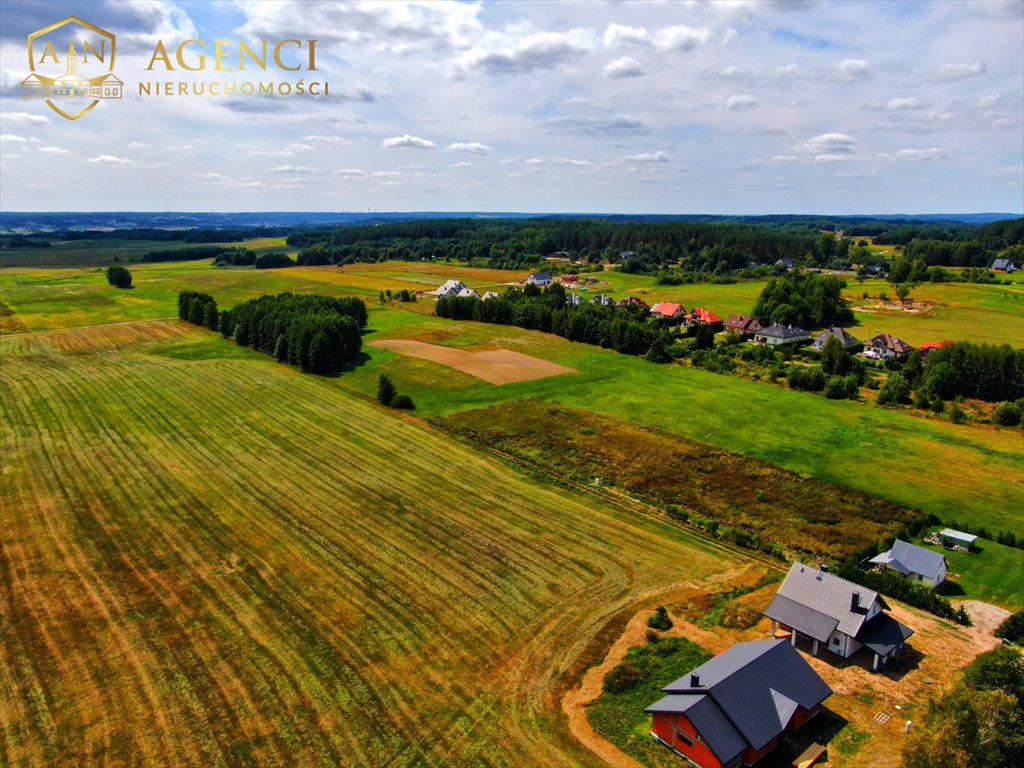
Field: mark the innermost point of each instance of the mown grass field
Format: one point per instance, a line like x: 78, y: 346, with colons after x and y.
x: 210, y: 559
x: 993, y: 573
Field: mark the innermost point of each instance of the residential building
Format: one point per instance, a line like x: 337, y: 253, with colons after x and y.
x: 915, y: 563
x: 540, y: 279
x: 733, y: 709
x: 836, y: 613
x: 666, y: 310
x: 744, y: 325
x: 845, y: 338
x: 450, y: 288
x: 775, y: 335
x: 885, y: 346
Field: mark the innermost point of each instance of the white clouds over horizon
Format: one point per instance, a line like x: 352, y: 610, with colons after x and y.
x: 768, y: 104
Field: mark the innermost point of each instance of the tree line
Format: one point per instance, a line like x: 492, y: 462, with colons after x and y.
x: 318, y: 334
x: 624, y: 329
x: 805, y: 299
x: 199, y: 309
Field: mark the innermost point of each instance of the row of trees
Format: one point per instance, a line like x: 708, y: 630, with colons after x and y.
x: 199, y: 309
x: 273, y: 260
x: 319, y: 334
x: 624, y: 329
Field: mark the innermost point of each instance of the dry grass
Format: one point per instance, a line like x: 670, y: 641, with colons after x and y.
x: 496, y: 366
x: 223, y: 562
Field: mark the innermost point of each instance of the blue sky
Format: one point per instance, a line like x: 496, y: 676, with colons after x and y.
x: 723, y: 106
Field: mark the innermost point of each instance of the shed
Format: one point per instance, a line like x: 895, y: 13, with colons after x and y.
x: 949, y: 536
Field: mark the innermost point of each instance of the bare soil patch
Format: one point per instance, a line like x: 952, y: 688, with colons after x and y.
x: 496, y: 366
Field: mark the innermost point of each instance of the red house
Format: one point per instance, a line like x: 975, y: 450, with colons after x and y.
x: 732, y: 710
x: 668, y: 311
x: 701, y: 316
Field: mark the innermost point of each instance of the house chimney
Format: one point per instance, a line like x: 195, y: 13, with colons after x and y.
x: 694, y: 680
x: 855, y: 601
x: 824, y: 567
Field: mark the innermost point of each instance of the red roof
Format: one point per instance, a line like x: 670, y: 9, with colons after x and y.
x: 935, y: 344
x: 705, y: 316
x: 666, y: 308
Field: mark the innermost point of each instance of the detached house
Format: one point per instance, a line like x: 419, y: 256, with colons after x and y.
x: 733, y: 709
x: 450, y: 288
x: 491, y: 295
x: 574, y: 299
x: 604, y: 300
x: 634, y: 301
x: 540, y: 279
x: 914, y: 563
x: 468, y: 293
x: 1003, y: 265
x: 666, y: 310
x: 885, y: 346
x: 701, y: 316
x: 744, y: 325
x: 845, y: 339
x: 836, y: 613
x: 777, y: 334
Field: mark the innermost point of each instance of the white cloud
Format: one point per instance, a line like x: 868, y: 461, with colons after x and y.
x: 740, y: 101
x: 539, y: 50
x: 351, y: 173
x: 111, y: 159
x: 138, y: 145
x: 407, y: 141
x: 827, y: 144
x: 575, y: 162
x: 897, y: 104
x: 54, y: 150
x: 854, y: 69
x: 23, y: 118
x: 292, y: 169
x: 10, y: 137
x: 950, y: 73
x: 831, y: 158
x: 461, y: 164
x: 318, y: 139
x: 933, y: 153
x: 680, y: 38
x: 660, y: 156
x: 471, y: 147
x: 624, y: 67
x: 618, y: 34
x: 211, y: 176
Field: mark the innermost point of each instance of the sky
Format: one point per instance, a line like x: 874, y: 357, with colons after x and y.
x: 719, y: 106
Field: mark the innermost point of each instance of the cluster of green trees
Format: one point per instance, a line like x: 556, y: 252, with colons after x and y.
x: 184, y: 254
x: 388, y: 395
x: 119, y: 277
x: 1012, y: 627
x: 977, y: 724
x: 319, y: 334
x: 199, y: 309
x: 803, y: 299
x: 273, y: 260
x: 624, y: 329
x: 235, y: 257
x: 984, y: 371
x: 405, y: 296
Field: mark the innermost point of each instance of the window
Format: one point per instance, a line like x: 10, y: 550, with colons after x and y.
x: 835, y: 641
x: 684, y: 738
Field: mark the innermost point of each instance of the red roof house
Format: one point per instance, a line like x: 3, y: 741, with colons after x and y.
x: 701, y: 316
x: 744, y: 325
x: 666, y: 310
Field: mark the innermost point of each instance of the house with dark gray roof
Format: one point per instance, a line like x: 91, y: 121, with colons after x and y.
x: 732, y: 710
x: 1003, y: 265
x: 540, y: 279
x: 777, y: 334
x: 924, y: 566
x: 839, y: 614
x: 845, y: 338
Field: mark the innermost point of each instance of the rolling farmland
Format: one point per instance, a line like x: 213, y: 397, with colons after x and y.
x: 210, y: 559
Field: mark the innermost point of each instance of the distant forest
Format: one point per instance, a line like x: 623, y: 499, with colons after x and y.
x: 716, y: 248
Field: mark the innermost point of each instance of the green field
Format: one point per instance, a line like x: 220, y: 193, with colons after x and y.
x: 210, y: 559
x: 920, y: 462
x: 993, y: 573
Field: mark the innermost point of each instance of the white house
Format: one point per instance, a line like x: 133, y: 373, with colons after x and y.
x: 491, y: 295
x: 914, y: 563
x: 777, y: 334
x: 468, y: 293
x: 574, y: 299
x: 540, y: 279
x: 845, y: 338
x: 836, y: 613
x: 450, y: 288
x: 604, y: 300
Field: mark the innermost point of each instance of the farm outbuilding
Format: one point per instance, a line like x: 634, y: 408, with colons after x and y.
x: 958, y: 538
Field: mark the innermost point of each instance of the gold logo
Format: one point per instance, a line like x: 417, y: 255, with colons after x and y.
x: 79, y: 80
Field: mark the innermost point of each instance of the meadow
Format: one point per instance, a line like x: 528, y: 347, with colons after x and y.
x: 917, y: 461
x: 211, y: 559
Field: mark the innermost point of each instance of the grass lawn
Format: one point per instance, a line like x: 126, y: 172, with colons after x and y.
x: 211, y: 559
x: 993, y: 573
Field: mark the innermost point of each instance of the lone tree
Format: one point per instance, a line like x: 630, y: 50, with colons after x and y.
x: 119, y: 277
x: 386, y: 389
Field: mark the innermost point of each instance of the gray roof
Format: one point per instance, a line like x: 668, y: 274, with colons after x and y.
x: 967, y: 538
x: 782, y: 331
x: 745, y: 696
x: 883, y: 633
x: 539, y: 276
x: 910, y: 558
x: 827, y: 595
x: 846, y: 339
x: 810, y: 622
x: 1002, y: 264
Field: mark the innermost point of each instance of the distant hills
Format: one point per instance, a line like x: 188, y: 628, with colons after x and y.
x: 23, y: 222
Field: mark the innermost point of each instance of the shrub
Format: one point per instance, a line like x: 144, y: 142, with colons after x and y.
x: 403, y: 403
x: 809, y: 379
x: 1012, y: 628
x: 623, y: 677
x: 119, y: 277
x: 1006, y: 414
x: 660, y: 619
x: 841, y: 387
x: 895, y: 390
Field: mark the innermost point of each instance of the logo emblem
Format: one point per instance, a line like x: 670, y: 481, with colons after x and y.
x: 72, y: 64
